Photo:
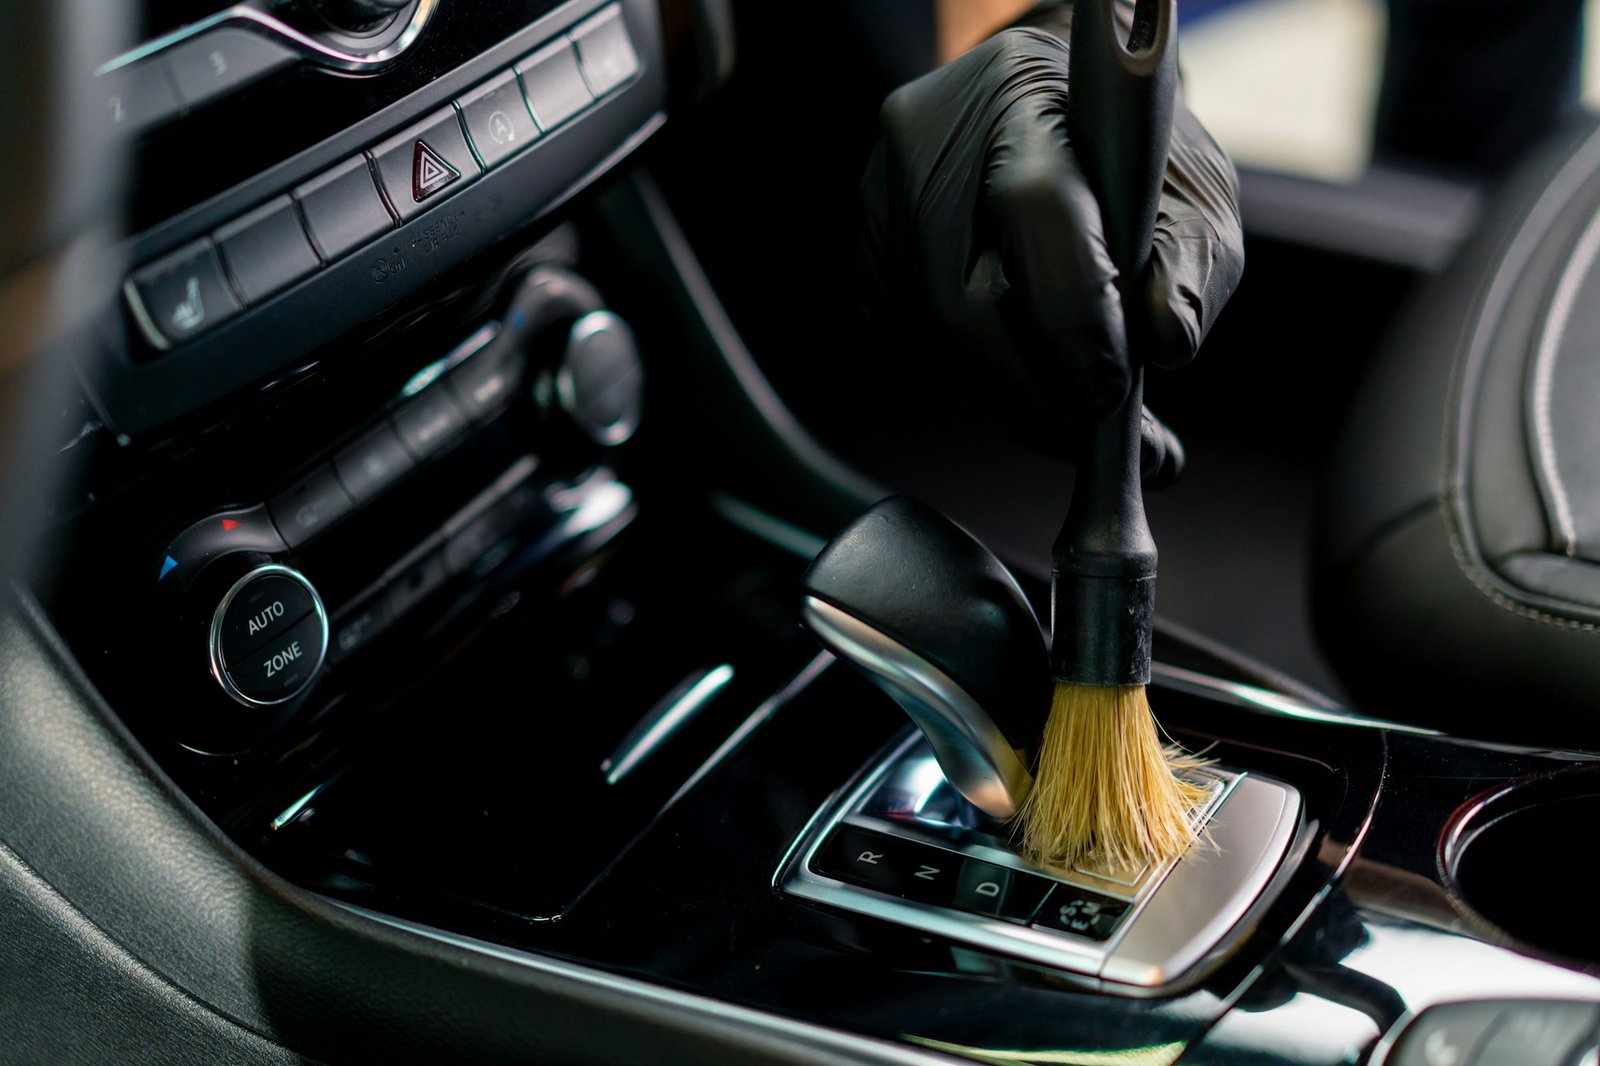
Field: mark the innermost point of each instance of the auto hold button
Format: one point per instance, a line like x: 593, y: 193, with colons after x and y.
x: 260, y: 612
x: 425, y: 163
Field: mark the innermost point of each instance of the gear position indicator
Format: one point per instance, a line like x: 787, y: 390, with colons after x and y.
x: 429, y: 172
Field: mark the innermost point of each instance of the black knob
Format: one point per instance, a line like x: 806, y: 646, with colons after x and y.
x: 268, y: 636
x: 601, y: 380
x: 359, y: 16
x: 928, y: 613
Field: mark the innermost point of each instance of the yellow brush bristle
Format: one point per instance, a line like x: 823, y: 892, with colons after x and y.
x: 1105, y: 785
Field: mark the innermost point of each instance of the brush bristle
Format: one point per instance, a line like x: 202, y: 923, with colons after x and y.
x: 1105, y: 786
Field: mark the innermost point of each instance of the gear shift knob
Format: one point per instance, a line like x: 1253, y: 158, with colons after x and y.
x: 928, y: 613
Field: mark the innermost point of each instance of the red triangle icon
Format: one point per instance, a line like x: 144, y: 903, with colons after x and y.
x: 429, y: 173
x: 229, y: 525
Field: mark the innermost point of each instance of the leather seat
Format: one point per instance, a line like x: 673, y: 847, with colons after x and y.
x: 1458, y: 576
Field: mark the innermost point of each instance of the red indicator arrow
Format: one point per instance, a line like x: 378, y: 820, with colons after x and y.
x: 230, y: 524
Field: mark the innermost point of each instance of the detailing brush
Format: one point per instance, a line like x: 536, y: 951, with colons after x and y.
x: 1105, y: 785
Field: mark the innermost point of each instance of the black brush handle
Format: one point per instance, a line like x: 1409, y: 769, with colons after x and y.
x: 1103, y: 575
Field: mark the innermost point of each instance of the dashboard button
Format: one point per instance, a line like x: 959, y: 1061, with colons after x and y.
x: 553, y: 85
x: 999, y: 892
x: 372, y: 463
x: 260, y: 612
x: 138, y: 95
x: 605, y: 52
x: 343, y: 209
x: 281, y: 668
x: 426, y: 423
x: 1449, y: 1033
x: 306, y: 509
x: 358, y: 628
x: 1086, y: 914
x: 862, y: 857
x: 222, y: 60
x: 497, y: 119
x: 416, y: 584
x: 483, y: 384
x: 182, y: 295
x: 266, y: 250
x: 425, y: 163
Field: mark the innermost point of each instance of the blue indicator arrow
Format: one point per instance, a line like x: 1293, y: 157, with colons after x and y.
x: 168, y: 565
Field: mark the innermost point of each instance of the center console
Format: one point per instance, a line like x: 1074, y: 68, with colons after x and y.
x: 434, y: 535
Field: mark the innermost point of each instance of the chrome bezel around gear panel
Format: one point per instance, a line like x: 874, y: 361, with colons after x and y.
x: 1169, y: 923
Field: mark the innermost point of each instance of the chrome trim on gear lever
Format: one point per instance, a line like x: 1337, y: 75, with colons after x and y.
x: 975, y: 755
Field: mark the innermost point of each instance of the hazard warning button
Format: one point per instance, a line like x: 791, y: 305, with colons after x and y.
x: 425, y: 163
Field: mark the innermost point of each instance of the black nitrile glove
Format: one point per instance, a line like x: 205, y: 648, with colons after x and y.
x: 978, y: 218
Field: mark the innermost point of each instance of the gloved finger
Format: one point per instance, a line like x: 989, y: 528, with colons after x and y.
x: 1198, y: 251
x: 1061, y: 298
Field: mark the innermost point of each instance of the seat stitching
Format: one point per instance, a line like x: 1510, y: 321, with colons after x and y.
x: 1470, y: 350
x: 1549, y: 350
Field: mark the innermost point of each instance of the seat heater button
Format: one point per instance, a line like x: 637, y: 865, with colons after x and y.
x: 1086, y: 914
x: 553, y: 85
x: 266, y: 251
x: 281, y: 668
x: 497, y: 119
x: 425, y: 163
x: 605, y: 52
x: 416, y: 585
x: 984, y: 888
x: 343, y: 209
x: 305, y: 510
x: 372, y: 463
x: 182, y: 295
x: 222, y: 60
x: 260, y: 612
x: 425, y: 424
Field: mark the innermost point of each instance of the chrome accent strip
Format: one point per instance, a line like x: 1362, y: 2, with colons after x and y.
x: 803, y: 1034
x: 768, y: 708
x: 661, y: 722
x: 977, y: 758
x: 270, y: 24
x: 1185, y: 916
x: 219, y: 668
x: 1265, y: 701
x: 769, y: 528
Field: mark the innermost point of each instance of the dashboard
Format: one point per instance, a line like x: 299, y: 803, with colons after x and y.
x: 422, y: 587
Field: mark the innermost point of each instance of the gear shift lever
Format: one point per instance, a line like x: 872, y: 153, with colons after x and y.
x: 913, y: 601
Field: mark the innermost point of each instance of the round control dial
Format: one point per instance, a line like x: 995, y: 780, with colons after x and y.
x: 269, y: 636
x: 601, y: 380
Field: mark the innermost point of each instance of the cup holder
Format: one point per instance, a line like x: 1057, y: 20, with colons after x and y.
x: 1515, y: 857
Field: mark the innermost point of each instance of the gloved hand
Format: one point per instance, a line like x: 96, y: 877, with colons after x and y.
x: 977, y: 215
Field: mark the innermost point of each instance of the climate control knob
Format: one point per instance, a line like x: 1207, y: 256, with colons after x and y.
x: 269, y: 635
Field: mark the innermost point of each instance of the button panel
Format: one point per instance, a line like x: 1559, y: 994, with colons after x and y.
x: 343, y: 207
x: 307, y: 508
x: 1498, y: 1033
x: 903, y: 846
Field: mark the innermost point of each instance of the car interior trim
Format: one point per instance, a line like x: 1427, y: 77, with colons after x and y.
x: 266, y: 22
x: 857, y: 1048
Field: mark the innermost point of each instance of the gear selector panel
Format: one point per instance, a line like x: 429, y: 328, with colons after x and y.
x: 905, y: 847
